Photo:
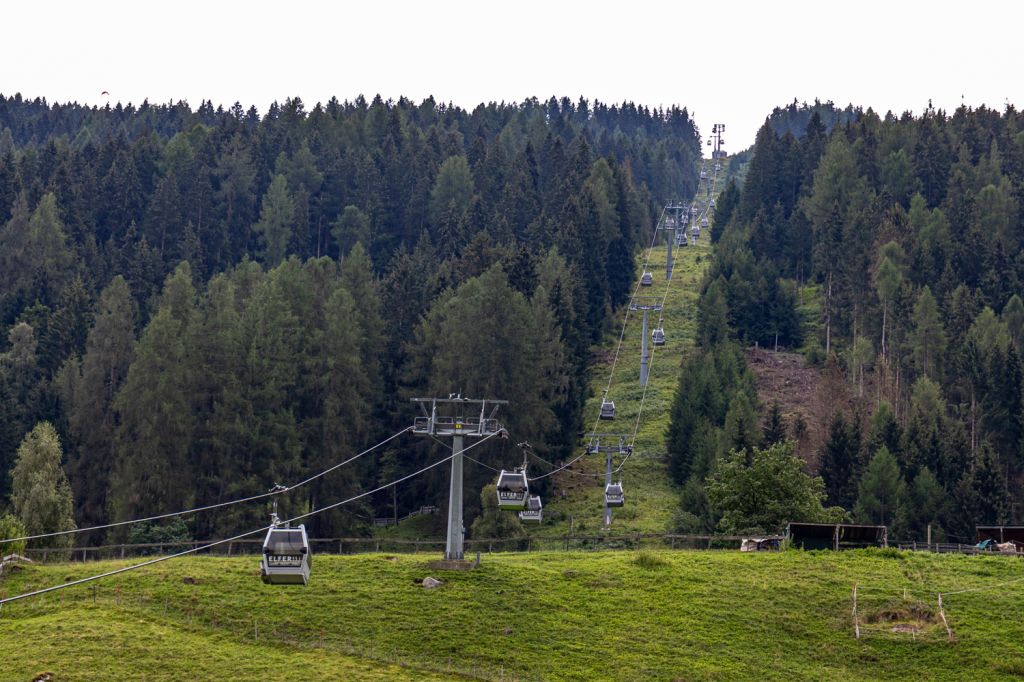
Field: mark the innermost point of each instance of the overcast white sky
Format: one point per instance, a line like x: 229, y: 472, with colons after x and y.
x: 727, y: 61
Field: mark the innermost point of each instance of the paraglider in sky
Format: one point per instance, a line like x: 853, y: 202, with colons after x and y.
x: 105, y: 93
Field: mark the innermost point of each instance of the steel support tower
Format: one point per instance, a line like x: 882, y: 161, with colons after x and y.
x: 595, y: 447
x: 645, y: 304
x: 456, y: 417
x: 672, y: 224
x: 716, y: 139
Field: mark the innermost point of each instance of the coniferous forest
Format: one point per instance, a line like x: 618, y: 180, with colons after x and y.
x: 199, y: 304
x: 889, y: 250
x: 207, y: 302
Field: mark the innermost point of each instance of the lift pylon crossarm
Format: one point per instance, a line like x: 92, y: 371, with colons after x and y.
x: 645, y: 303
x: 457, y: 416
x: 620, y: 440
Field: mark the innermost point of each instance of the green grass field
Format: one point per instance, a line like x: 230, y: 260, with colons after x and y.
x: 648, y: 615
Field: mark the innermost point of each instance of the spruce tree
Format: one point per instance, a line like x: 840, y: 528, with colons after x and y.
x: 713, y: 315
x: 927, y: 504
x: 839, y: 462
x: 351, y: 227
x: 981, y: 496
x: 358, y: 279
x: 740, y: 432
x: 881, y: 494
x: 928, y: 339
x: 774, y: 430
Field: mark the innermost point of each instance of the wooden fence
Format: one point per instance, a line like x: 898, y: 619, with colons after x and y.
x: 951, y: 548
x: 632, y: 541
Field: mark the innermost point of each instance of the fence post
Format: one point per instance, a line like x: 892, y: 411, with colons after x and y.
x: 856, y: 621
x: 942, y: 612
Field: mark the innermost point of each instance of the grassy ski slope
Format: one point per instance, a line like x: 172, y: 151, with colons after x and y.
x: 650, y: 495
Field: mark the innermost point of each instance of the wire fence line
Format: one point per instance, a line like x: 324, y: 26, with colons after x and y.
x: 953, y: 548
x: 361, y: 545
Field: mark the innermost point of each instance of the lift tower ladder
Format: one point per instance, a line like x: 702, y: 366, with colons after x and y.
x: 622, y: 449
x: 456, y: 417
x: 645, y: 304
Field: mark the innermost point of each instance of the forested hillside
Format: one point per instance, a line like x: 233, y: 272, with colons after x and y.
x: 889, y: 251
x: 206, y: 303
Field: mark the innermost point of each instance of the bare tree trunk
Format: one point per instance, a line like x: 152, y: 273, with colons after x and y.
x: 974, y: 405
x: 828, y: 315
x: 885, y: 315
x: 319, y: 231
x: 896, y: 398
x: 854, y: 359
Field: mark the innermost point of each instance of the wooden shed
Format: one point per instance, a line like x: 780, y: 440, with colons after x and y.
x: 836, y: 536
x: 1001, y: 534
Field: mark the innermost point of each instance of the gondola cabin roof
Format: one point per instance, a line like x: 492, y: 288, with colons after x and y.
x: 512, y: 480
x: 286, y: 541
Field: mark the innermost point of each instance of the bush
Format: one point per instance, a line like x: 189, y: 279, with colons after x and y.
x: 11, y: 527
x: 814, y: 356
x: 649, y: 561
x: 174, y: 531
x: 883, y: 552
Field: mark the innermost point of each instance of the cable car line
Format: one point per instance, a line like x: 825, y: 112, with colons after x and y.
x: 562, y: 468
x: 618, y: 347
x: 622, y: 333
x: 276, y: 490
x: 668, y: 285
x: 240, y: 536
x: 474, y: 461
